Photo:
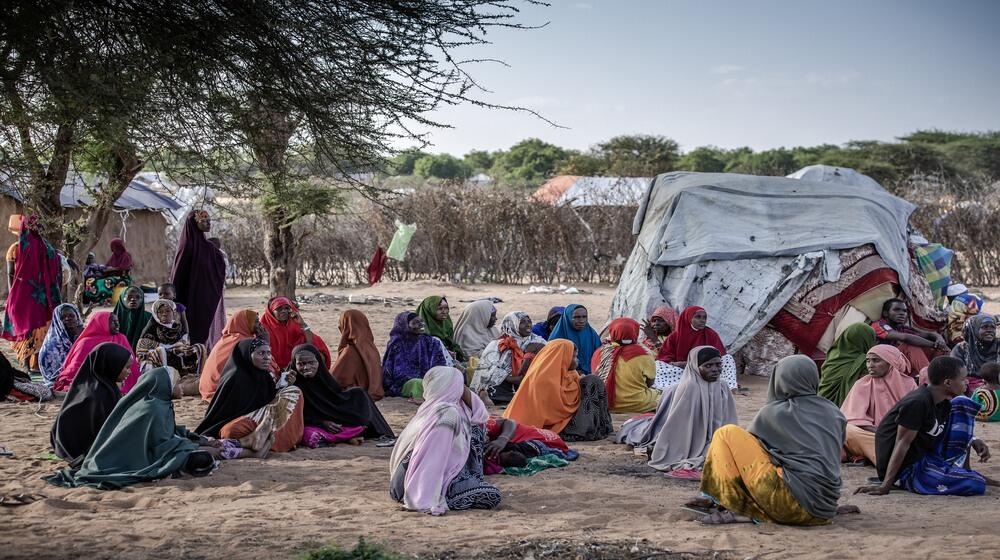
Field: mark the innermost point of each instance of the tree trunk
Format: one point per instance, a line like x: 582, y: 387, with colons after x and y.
x: 280, y: 247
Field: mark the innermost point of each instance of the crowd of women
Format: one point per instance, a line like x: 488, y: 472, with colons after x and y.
x: 273, y: 385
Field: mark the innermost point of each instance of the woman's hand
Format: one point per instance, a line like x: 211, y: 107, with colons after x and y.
x: 494, y: 447
x: 332, y: 427
x: 290, y: 377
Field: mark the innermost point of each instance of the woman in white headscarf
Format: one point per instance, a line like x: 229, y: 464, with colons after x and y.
x: 476, y: 327
x: 504, y: 361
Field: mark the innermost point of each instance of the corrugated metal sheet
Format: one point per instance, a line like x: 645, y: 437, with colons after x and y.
x: 592, y: 191
x: 137, y: 196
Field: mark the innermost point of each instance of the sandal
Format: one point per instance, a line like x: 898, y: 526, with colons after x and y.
x: 20, y: 500
x: 724, y: 518
x: 684, y: 474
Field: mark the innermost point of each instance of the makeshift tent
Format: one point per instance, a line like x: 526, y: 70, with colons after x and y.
x: 839, y: 175
x: 592, y: 191
x: 780, y: 264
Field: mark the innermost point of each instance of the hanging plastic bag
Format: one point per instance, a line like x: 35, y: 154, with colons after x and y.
x: 401, y: 240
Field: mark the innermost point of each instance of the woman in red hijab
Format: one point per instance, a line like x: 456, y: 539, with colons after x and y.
x: 692, y: 331
x: 286, y: 329
x: 121, y: 260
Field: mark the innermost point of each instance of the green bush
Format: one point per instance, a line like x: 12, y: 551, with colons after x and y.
x: 361, y: 551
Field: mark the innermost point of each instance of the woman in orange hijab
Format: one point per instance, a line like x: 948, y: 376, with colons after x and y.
x: 243, y: 325
x: 358, y: 361
x: 553, y: 396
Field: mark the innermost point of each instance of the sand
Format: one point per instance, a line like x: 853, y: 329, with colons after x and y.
x: 278, y: 507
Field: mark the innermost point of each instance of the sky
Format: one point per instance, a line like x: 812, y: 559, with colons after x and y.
x: 763, y: 74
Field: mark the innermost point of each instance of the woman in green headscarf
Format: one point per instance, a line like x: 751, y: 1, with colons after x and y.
x: 845, y: 362
x: 132, y: 314
x: 436, y: 315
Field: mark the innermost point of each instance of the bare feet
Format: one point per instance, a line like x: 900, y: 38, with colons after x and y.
x: 356, y: 441
x: 724, y: 518
x: 992, y: 481
x: 700, y: 503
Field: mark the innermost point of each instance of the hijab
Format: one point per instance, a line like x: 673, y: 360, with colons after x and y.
x: 803, y: 433
x: 688, y: 415
x: 120, y: 257
x: 624, y: 333
x: 37, y: 287
x: 437, y: 441
x: 871, y: 397
x: 243, y: 388
x: 845, y: 362
x: 668, y: 314
x: 684, y: 337
x: 199, y: 275
x: 471, y: 331
x: 283, y: 337
x: 407, y: 355
x: 132, y: 322
x: 587, y: 340
x: 358, y: 362
x: 97, y: 331
x: 161, y: 332
x: 549, y: 395
x: 139, y: 442
x: 542, y: 328
x: 444, y: 330
x: 325, y: 400
x: 240, y: 327
x: 89, y: 402
x: 979, y: 352
x: 57, y: 343
x: 504, y: 356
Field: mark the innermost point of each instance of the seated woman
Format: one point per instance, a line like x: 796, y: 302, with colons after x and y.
x: 436, y: 315
x: 502, y: 364
x: 102, y: 327
x: 692, y: 331
x: 252, y: 406
x: 141, y: 442
x: 979, y: 348
x: 770, y: 473
x: 872, y: 397
x: 164, y: 342
x: 286, y: 329
x: 574, y: 326
x: 658, y: 327
x: 437, y: 463
x: 241, y: 326
x: 358, y: 362
x: 846, y: 362
x: 65, y: 328
x: 476, y: 327
x: 332, y: 415
x: 554, y: 396
x: 626, y: 369
x: 132, y: 315
x: 410, y: 353
x: 90, y: 400
x: 689, y: 413
x: 100, y: 281
x: 544, y: 328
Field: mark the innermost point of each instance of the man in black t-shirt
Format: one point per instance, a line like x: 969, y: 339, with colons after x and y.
x: 922, y: 443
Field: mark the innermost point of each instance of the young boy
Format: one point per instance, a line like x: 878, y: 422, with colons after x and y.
x: 988, y: 395
x: 922, y: 443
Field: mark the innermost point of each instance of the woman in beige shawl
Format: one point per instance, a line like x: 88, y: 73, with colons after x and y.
x: 687, y: 416
x: 476, y: 327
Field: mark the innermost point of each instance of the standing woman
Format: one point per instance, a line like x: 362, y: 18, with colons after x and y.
x: 574, y: 326
x: 241, y: 326
x: 35, y: 292
x: 436, y: 314
x: 476, y: 327
x: 132, y: 315
x: 164, y: 342
x: 358, y: 362
x: 286, y: 329
x: 64, y: 330
x: 845, y: 362
x: 102, y: 327
x: 692, y: 331
x: 199, y: 275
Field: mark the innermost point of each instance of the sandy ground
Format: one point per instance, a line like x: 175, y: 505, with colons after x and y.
x: 278, y: 507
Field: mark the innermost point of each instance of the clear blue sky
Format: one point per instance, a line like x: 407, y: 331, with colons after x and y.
x: 731, y: 73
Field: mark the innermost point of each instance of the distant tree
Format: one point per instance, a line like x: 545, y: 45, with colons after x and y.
x: 777, y: 162
x: 479, y: 161
x: 706, y: 159
x: 584, y: 164
x: 442, y: 166
x: 638, y: 155
x: 528, y: 163
x: 935, y: 136
x: 403, y: 162
x: 975, y: 156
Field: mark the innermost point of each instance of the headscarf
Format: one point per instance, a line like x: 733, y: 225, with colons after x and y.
x: 120, y: 259
x: 668, y: 314
x: 979, y: 352
x: 436, y: 441
x: 56, y: 345
x: 326, y: 401
x: 90, y: 400
x: 549, y: 395
x: 471, y: 332
x: 408, y: 356
x: 163, y: 333
x: 845, y: 362
x: 624, y: 333
x: 587, y: 340
x: 444, y: 330
x: 542, y: 328
x: 804, y: 434
x: 199, y: 274
x: 285, y: 336
x: 243, y: 388
x: 37, y: 286
x: 503, y: 357
x: 358, y: 362
x: 139, y: 442
x: 687, y: 417
x: 680, y: 342
x: 240, y: 327
x: 97, y: 331
x: 872, y: 397
x: 131, y: 322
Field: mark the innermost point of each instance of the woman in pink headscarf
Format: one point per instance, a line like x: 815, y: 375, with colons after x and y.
x: 658, y: 327
x: 437, y: 462
x: 872, y: 396
x: 102, y: 327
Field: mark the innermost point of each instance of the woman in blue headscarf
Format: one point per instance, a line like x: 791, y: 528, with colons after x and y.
x: 574, y: 326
